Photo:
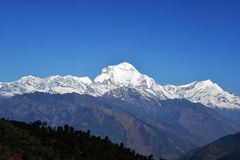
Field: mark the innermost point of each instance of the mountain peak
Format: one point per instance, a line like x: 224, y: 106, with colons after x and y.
x: 125, y: 66
x: 69, y: 78
x: 209, y: 84
x: 28, y: 77
x: 205, y: 84
x: 121, y: 74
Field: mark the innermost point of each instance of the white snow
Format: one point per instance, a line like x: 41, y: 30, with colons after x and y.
x: 123, y: 75
x: 205, y: 92
x: 52, y: 84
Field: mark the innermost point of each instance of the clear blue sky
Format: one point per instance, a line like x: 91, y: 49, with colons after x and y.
x: 174, y: 42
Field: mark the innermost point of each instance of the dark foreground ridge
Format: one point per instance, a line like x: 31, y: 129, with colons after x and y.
x: 37, y: 141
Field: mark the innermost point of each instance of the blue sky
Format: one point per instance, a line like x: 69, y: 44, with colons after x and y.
x: 174, y: 42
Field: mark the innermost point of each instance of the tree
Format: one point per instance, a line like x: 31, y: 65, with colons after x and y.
x: 66, y: 128
x: 88, y: 133
x: 59, y: 129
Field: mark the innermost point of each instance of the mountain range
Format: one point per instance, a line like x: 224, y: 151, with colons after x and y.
x: 123, y: 75
x: 129, y: 107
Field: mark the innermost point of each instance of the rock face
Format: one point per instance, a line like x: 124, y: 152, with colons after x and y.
x: 167, y: 128
x: 123, y: 75
x: 226, y: 148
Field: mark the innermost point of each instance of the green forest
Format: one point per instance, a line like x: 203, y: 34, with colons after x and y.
x: 38, y: 141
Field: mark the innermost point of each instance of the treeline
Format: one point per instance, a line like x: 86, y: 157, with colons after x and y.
x: 38, y: 141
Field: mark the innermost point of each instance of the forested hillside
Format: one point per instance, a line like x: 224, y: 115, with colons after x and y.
x: 37, y: 141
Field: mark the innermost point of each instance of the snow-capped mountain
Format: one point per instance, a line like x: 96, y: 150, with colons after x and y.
x: 114, y: 79
x: 52, y: 84
x: 126, y: 75
x: 205, y: 92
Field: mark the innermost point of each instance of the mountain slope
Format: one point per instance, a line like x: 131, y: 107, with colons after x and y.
x: 36, y: 141
x: 226, y: 148
x: 86, y: 112
x: 123, y: 75
x: 178, y: 125
x: 194, y: 121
